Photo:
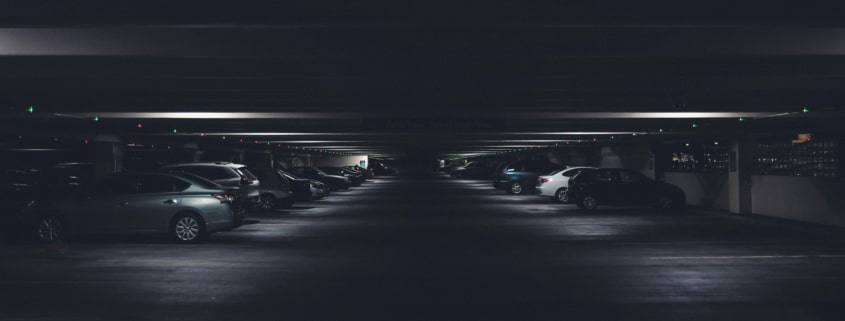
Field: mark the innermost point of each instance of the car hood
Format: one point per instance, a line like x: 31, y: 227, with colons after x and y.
x: 343, y: 178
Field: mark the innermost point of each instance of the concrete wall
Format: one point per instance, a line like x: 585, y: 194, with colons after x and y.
x: 810, y: 199
x: 331, y: 160
x: 703, y: 189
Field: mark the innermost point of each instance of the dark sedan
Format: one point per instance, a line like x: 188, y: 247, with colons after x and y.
x: 613, y: 186
x: 356, y: 177
x: 333, y: 181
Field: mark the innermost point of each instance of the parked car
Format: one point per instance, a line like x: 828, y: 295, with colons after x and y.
x: 368, y: 173
x: 275, y: 190
x: 22, y: 187
x: 555, y: 184
x: 225, y: 174
x: 188, y: 208
x: 356, y: 178
x: 613, y: 186
x: 472, y: 169
x: 380, y: 168
x: 19, y: 191
x: 333, y: 181
x: 520, y: 177
x: 305, y: 189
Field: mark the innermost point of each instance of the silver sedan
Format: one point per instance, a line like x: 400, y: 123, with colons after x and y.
x: 186, y: 207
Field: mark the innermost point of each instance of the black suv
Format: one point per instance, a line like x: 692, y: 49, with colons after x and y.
x: 615, y: 186
x: 520, y: 177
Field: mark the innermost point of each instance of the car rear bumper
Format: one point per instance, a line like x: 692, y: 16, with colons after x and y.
x: 547, y: 191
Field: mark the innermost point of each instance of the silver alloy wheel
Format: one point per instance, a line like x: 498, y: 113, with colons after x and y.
x: 516, y: 188
x: 561, y: 196
x: 589, y: 202
x: 267, y: 203
x: 187, y: 228
x: 50, y: 229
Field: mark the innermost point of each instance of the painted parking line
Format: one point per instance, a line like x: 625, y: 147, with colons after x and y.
x: 732, y: 257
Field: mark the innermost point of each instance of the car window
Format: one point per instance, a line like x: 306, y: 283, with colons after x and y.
x: 245, y: 172
x: 201, y: 181
x: 516, y: 167
x: 603, y: 176
x: 571, y: 172
x: 118, y: 185
x: 160, y: 184
x: 630, y: 177
x: 209, y: 172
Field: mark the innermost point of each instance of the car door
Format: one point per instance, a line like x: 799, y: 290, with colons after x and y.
x: 157, y: 199
x: 604, y: 186
x: 104, y: 210
x: 633, y: 188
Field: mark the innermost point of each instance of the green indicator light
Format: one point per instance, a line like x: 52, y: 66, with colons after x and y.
x: 741, y: 119
x: 694, y: 125
x: 174, y: 130
x: 224, y: 137
x: 661, y: 130
x: 612, y: 137
x: 30, y: 109
x: 804, y: 110
x: 96, y: 119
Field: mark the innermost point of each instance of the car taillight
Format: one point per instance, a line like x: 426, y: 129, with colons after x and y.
x: 246, y: 181
x: 544, y: 180
x: 222, y: 197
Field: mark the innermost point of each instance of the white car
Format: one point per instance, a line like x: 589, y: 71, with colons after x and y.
x: 554, y: 185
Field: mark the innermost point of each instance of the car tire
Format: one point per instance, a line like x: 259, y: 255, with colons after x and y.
x: 51, y: 228
x: 266, y: 203
x: 516, y: 188
x: 588, y: 203
x: 560, y: 196
x: 187, y: 228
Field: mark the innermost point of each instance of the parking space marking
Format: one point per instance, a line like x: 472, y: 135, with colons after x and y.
x: 732, y: 257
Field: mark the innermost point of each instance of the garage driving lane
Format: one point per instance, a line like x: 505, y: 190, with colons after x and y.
x: 433, y: 248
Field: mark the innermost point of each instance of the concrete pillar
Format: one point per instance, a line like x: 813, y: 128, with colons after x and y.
x: 661, y: 161
x: 264, y: 160
x: 742, y: 160
x: 108, y: 159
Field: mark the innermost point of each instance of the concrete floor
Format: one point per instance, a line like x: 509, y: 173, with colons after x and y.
x: 434, y: 248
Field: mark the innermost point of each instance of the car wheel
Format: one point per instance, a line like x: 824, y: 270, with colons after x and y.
x: 561, y: 196
x: 50, y: 228
x: 187, y: 228
x: 516, y: 188
x: 588, y: 203
x: 267, y: 203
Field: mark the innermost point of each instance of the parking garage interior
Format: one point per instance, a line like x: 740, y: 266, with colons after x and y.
x: 738, y: 109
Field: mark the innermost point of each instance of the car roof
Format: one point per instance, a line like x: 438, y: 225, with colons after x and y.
x: 224, y: 164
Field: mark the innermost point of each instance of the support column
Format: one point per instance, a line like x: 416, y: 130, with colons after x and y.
x: 108, y: 159
x: 660, y: 162
x: 742, y: 160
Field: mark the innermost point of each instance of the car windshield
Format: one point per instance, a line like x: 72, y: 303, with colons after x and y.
x: 287, y: 175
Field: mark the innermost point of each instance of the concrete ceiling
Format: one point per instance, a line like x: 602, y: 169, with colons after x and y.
x: 348, y: 78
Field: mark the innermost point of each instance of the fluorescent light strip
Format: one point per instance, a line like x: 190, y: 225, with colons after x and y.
x: 324, y: 115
